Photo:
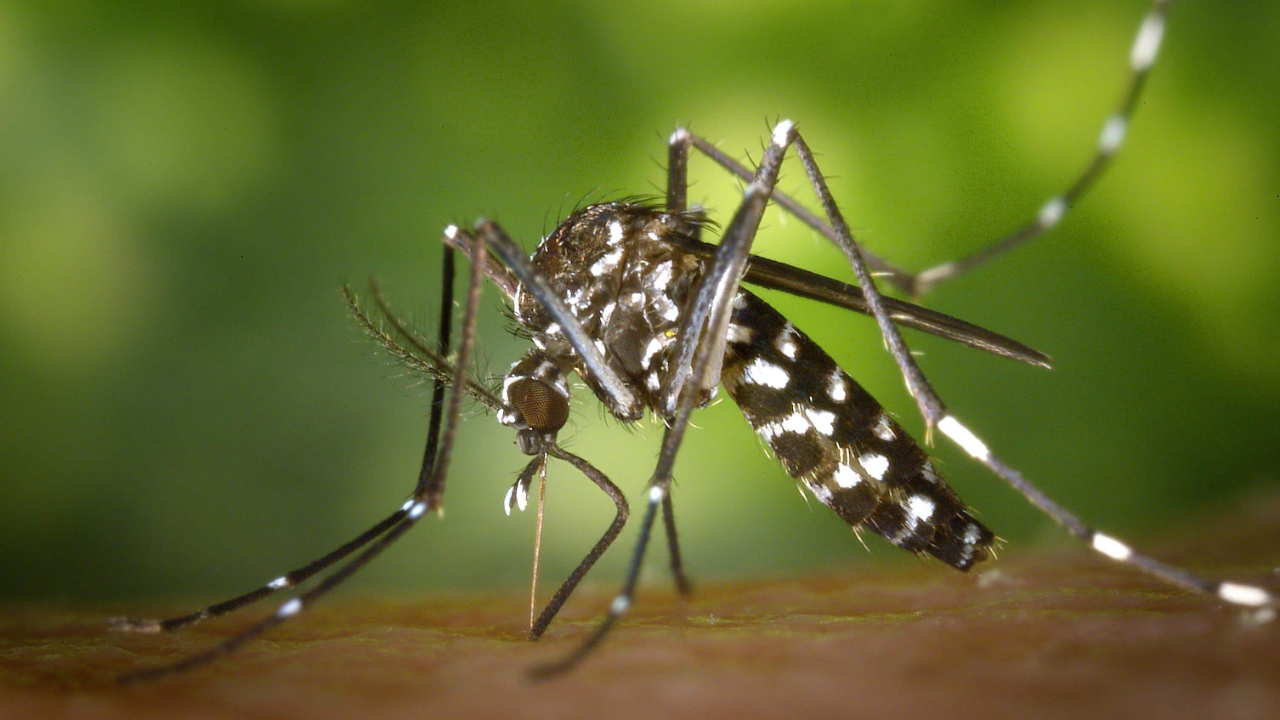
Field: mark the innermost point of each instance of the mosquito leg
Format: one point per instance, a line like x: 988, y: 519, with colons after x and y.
x: 677, y: 202
x: 693, y: 361
x: 718, y: 287
x: 437, y: 386
x: 461, y: 240
x: 426, y: 497
x: 936, y: 415
x: 1142, y: 57
x: 621, y: 602
x: 803, y: 283
x: 299, y: 575
x: 673, y: 544
x: 678, y: 170
x: 682, y: 139
x: 288, y: 580
x: 620, y: 519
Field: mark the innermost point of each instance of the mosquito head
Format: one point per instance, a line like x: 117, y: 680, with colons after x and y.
x: 536, y: 397
x: 543, y: 409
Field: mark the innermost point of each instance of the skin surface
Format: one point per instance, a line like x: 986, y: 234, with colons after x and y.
x: 1056, y: 633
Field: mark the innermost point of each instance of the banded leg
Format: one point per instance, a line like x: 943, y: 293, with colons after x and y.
x: 517, y: 496
x: 620, y: 519
x: 692, y: 371
x: 1142, y: 57
x: 427, y: 496
x: 620, y: 396
x: 299, y: 575
x: 803, y: 283
x: 936, y: 414
x: 683, y: 586
x: 288, y: 580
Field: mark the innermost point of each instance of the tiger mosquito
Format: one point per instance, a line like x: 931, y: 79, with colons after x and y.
x: 627, y: 296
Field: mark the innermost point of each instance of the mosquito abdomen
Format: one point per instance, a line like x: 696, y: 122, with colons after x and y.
x: 830, y: 434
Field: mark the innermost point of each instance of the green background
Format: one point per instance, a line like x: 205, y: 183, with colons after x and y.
x: 183, y: 186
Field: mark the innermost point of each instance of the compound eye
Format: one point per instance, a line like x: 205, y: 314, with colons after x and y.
x: 543, y: 407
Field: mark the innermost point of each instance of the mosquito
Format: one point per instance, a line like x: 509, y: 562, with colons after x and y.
x: 627, y: 296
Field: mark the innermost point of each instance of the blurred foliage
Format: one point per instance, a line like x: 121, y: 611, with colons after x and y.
x: 183, y: 186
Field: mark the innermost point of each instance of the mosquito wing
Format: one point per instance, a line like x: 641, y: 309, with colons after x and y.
x: 797, y: 281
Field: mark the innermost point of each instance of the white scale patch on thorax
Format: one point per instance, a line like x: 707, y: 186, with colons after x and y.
x: 661, y: 276
x: 577, y: 300
x: 657, y: 282
x: 670, y: 312
x: 655, y: 346
x: 739, y: 334
x: 607, y: 263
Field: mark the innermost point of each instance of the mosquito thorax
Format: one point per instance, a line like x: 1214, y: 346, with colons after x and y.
x: 619, y: 275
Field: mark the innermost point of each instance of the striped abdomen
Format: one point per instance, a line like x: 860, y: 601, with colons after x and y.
x: 830, y: 434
